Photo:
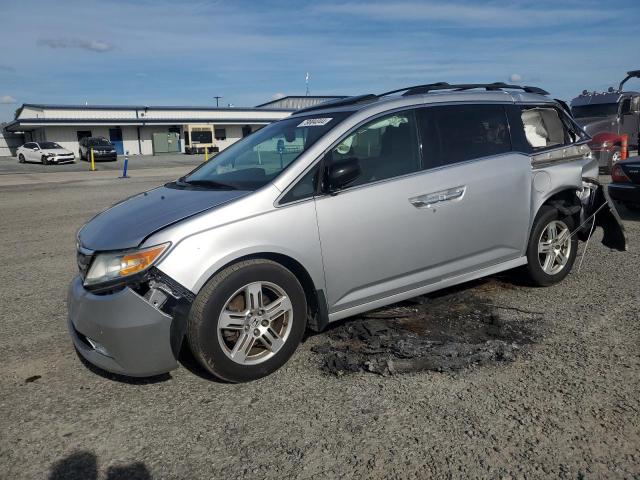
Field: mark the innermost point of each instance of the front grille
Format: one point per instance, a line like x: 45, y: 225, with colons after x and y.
x: 84, y: 262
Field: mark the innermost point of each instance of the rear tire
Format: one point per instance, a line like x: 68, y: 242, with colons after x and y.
x: 551, y: 255
x: 247, y: 321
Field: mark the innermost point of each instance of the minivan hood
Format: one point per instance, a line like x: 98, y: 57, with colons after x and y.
x: 128, y: 223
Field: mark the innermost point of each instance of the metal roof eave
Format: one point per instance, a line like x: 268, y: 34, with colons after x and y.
x: 44, y: 122
x: 154, y: 107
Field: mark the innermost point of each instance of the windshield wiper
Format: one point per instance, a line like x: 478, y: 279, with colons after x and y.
x: 205, y: 183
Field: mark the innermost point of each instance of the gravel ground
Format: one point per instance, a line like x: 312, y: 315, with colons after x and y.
x: 564, y: 405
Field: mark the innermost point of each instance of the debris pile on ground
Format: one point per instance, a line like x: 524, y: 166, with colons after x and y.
x: 445, y: 333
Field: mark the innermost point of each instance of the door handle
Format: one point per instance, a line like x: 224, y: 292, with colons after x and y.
x: 429, y: 199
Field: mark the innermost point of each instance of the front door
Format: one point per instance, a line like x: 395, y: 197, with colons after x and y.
x: 629, y: 117
x: 115, y: 137
x: 412, y: 220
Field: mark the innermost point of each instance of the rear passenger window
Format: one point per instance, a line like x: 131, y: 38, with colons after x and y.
x: 544, y: 128
x: 386, y: 147
x: 456, y: 133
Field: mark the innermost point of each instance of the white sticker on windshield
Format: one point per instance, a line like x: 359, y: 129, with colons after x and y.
x: 315, y: 122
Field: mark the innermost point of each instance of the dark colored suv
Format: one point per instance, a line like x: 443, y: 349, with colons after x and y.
x: 607, y: 115
x: 103, y: 149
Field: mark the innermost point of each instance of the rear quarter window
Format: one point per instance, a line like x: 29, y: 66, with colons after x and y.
x: 544, y: 128
x: 457, y: 133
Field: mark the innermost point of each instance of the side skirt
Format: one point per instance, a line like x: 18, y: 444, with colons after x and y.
x: 432, y: 287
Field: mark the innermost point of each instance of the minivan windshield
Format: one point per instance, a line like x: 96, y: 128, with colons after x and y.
x: 49, y: 146
x: 257, y: 159
x: 595, y: 110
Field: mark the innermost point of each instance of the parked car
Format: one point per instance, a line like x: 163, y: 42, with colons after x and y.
x: 615, y: 112
x: 45, y: 153
x: 338, y: 209
x: 103, y: 149
x: 625, y: 186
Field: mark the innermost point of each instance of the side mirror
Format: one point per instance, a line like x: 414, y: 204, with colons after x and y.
x: 342, y: 172
x: 35, y: 149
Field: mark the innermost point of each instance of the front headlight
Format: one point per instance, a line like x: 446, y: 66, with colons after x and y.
x: 51, y: 154
x: 112, y: 266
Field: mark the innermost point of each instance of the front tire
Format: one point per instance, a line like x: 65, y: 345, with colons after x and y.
x: 247, y: 321
x: 21, y: 158
x: 552, y: 249
x: 44, y: 160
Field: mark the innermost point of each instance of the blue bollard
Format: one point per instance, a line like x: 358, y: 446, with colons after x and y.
x: 126, y: 164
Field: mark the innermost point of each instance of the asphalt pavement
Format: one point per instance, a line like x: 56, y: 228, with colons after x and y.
x: 564, y: 402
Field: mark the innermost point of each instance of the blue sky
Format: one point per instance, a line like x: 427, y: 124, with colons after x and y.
x: 161, y: 52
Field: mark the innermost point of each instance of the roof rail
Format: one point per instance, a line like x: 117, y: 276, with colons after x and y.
x: 420, y: 89
x: 339, y: 102
x: 430, y: 87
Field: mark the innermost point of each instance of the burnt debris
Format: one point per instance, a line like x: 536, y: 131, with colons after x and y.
x: 445, y: 333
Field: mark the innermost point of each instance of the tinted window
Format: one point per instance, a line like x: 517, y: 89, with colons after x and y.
x: 29, y: 145
x: 201, y: 136
x: 305, y: 188
x: 595, y: 110
x: 544, y: 128
x: 385, y: 147
x: 457, y: 133
x: 98, y: 142
x: 49, y: 145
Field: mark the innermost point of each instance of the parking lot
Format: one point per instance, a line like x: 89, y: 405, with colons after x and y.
x: 10, y: 165
x: 554, y: 394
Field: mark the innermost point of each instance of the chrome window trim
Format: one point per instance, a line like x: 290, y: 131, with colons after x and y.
x: 561, y: 154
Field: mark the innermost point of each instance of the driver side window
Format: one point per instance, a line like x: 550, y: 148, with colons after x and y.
x: 386, y: 147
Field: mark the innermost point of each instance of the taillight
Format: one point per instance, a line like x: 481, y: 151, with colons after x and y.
x: 618, y: 175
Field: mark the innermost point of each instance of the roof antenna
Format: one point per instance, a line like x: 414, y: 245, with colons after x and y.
x: 306, y: 82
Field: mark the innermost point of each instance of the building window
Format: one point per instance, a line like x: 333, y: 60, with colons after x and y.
x: 201, y: 136
x: 221, y: 133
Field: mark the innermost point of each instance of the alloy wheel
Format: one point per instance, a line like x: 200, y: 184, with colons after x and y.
x: 554, y: 247
x: 255, y: 323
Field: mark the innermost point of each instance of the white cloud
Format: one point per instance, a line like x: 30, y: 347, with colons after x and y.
x: 278, y: 96
x: 7, y: 99
x: 85, y: 44
x: 515, y: 77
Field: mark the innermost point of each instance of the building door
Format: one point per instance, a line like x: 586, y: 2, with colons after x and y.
x: 115, y: 136
x: 83, y: 134
x: 246, y: 131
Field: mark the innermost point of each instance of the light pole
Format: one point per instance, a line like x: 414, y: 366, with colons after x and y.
x: 217, y: 100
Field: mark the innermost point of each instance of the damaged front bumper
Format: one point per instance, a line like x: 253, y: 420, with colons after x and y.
x: 121, y: 332
x: 598, y: 210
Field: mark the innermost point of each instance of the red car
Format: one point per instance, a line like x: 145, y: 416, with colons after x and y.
x: 606, y: 147
x: 625, y: 186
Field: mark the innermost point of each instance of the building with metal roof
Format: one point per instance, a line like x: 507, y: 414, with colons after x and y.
x: 142, y: 129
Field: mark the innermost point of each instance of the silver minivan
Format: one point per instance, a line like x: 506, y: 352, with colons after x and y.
x: 338, y: 209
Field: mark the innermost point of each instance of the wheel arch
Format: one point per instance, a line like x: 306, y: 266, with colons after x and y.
x: 317, y: 317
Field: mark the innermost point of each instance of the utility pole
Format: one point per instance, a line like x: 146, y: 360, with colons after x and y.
x: 306, y: 82
x: 217, y: 100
